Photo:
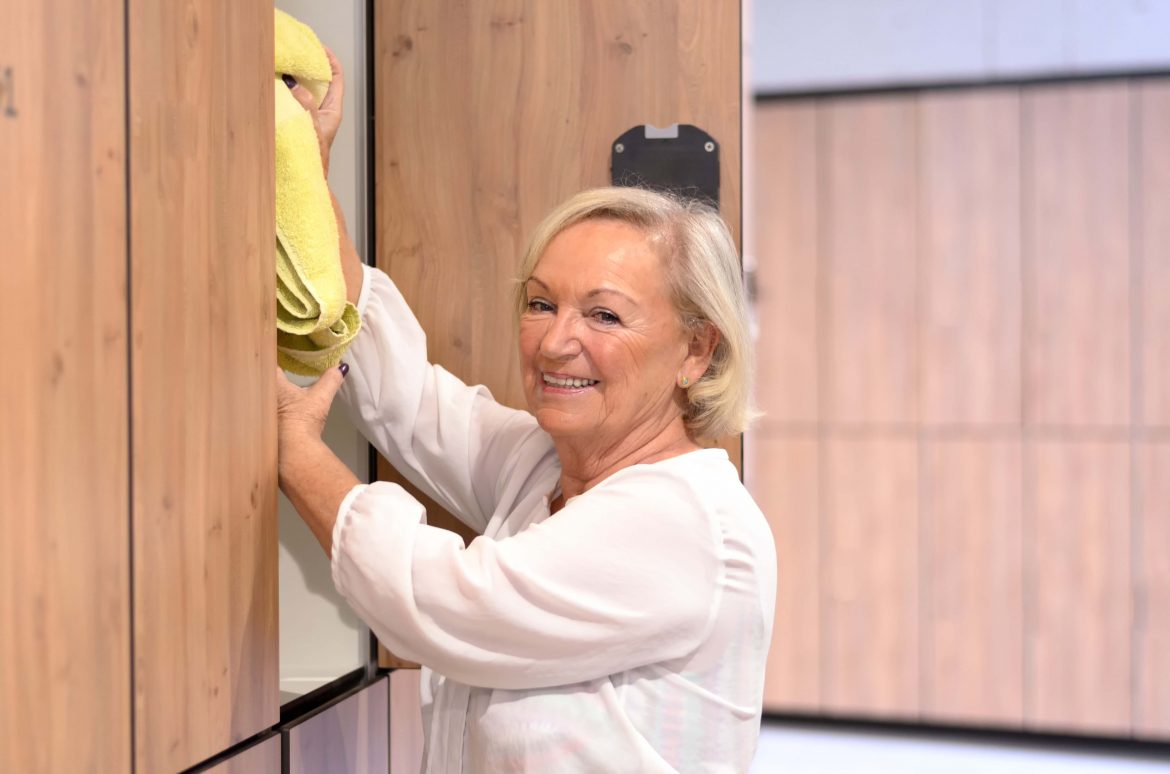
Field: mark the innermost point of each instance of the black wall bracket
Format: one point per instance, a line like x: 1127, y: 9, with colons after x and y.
x: 680, y: 158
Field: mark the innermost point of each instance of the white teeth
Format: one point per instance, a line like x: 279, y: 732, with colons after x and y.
x: 570, y: 382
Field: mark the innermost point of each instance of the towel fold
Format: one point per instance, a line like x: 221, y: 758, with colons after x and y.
x: 314, y: 321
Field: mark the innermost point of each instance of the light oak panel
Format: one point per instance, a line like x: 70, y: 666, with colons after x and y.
x: 1077, y: 260
x: 1079, y: 624
x: 870, y: 596
x: 869, y: 254
x: 786, y: 243
x: 969, y: 230
x: 1154, y: 171
x: 262, y: 758
x: 349, y: 737
x: 782, y: 476
x: 972, y: 583
x: 1152, y: 668
x: 204, y: 432
x: 64, y: 539
x: 492, y: 113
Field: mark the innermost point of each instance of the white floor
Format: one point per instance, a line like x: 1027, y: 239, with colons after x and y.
x: 799, y: 749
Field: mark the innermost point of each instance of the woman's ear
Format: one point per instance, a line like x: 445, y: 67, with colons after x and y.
x: 701, y: 348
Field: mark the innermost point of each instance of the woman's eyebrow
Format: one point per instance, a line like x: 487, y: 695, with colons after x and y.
x: 537, y: 280
x: 614, y: 291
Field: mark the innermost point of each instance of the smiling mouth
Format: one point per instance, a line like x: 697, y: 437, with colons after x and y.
x: 567, y: 382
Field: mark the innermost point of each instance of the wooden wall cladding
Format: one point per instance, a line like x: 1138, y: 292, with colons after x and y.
x: 349, y: 737
x: 204, y: 433
x: 1077, y: 239
x: 492, y: 113
x: 64, y: 550
x: 869, y: 247
x: 1153, y: 100
x: 980, y: 287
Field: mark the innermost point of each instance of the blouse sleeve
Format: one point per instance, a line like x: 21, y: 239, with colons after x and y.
x: 621, y: 577
x: 452, y: 441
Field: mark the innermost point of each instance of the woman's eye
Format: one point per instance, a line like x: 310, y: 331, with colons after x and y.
x: 607, y: 317
x: 538, y: 305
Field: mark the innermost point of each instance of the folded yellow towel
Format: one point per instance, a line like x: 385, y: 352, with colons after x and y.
x: 314, y: 321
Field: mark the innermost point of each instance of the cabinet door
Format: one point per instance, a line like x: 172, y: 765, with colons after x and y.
x: 472, y: 151
x: 202, y: 363
x: 349, y: 737
x: 262, y: 758
x: 64, y: 547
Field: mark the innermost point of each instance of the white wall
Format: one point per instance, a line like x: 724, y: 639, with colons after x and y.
x: 320, y: 637
x: 799, y: 45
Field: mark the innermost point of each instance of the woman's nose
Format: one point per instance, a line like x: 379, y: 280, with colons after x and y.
x: 561, y: 340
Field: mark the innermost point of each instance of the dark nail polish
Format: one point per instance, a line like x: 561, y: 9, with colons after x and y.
x: 344, y: 367
x: 289, y: 80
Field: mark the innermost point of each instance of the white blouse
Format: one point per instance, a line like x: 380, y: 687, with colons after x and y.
x: 627, y: 632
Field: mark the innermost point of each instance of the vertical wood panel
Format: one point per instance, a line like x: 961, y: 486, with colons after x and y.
x: 869, y: 224
x: 64, y: 533
x: 1152, y: 670
x: 1080, y: 612
x: 782, y: 476
x: 972, y: 578
x: 869, y: 661
x: 204, y: 434
x: 786, y: 244
x: 262, y: 758
x: 492, y: 113
x: 969, y: 226
x: 1077, y: 277
x: 1154, y: 235
x: 350, y: 737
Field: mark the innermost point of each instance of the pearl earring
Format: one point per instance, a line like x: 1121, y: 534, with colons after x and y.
x: 684, y: 382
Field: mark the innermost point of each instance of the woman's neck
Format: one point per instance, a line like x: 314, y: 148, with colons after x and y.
x: 584, y: 465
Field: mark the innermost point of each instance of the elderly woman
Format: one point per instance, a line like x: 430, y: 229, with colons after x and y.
x: 615, y: 611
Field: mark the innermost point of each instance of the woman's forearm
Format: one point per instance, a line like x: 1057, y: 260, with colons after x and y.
x: 315, y: 481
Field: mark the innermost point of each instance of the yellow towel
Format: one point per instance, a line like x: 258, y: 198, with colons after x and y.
x: 314, y: 321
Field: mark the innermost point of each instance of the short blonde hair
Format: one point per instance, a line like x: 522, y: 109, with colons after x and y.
x: 704, y: 273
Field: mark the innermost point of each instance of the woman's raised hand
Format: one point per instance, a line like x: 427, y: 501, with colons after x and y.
x: 327, y: 116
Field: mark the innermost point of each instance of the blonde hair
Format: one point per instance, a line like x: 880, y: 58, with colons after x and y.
x: 704, y: 273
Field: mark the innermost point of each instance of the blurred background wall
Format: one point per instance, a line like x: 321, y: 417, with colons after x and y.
x: 963, y: 332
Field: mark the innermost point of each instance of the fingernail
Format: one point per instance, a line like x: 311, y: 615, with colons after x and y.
x: 289, y: 80
x: 344, y: 367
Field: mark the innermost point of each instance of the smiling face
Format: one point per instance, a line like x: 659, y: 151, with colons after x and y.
x: 601, y: 344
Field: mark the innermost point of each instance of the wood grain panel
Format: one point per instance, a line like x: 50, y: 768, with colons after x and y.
x: 972, y: 583
x: 869, y: 663
x: 204, y: 432
x: 1152, y: 668
x: 782, y: 476
x: 1080, y: 609
x: 349, y: 737
x: 64, y: 532
x: 784, y: 172
x: 406, y: 730
x: 1154, y: 236
x: 262, y: 758
x: 492, y: 113
x: 869, y: 224
x: 1077, y: 261
x: 969, y: 230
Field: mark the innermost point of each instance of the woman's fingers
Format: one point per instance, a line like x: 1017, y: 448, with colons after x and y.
x: 305, y: 409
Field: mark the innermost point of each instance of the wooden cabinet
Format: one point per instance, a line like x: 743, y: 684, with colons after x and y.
x: 492, y: 113
x: 138, y: 452
x: 202, y: 383
x: 348, y: 737
x: 963, y: 353
x: 64, y: 459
